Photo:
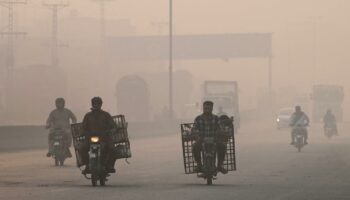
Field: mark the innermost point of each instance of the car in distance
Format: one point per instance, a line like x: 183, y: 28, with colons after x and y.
x: 283, y: 117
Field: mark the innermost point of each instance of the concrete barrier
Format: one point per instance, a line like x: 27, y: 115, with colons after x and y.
x: 15, y: 138
x: 22, y: 137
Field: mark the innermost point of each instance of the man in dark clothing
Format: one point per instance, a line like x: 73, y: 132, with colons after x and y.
x: 298, y: 121
x: 207, y: 125
x: 329, y: 120
x: 99, y: 123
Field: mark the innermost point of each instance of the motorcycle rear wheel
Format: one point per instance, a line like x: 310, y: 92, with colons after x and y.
x: 56, y: 162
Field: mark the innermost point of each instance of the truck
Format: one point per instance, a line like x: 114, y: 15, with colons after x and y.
x: 224, y: 94
x: 326, y: 97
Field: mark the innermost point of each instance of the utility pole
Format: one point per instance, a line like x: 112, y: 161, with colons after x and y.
x: 55, y: 7
x: 11, y: 34
x: 102, y: 20
x: 6, y: 74
x: 171, y: 106
x: 102, y: 4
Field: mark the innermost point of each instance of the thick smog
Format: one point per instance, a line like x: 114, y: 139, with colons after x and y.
x: 174, y: 99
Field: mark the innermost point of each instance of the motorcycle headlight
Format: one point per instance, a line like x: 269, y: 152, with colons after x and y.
x: 278, y: 120
x: 95, y: 139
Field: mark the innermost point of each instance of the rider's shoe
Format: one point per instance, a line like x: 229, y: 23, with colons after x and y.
x: 48, y: 154
x: 306, y: 143
x: 292, y: 143
x: 222, y: 170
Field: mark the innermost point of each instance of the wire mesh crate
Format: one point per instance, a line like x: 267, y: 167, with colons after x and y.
x: 79, y: 141
x: 118, y: 136
x: 188, y: 141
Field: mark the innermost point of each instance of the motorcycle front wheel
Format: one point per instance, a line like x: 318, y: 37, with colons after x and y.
x: 103, y: 181
x: 299, y: 148
x: 93, y: 180
x: 61, y: 162
x: 209, y: 181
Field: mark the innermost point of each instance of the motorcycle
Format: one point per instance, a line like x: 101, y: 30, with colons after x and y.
x: 97, y: 168
x: 300, y: 133
x: 209, y: 171
x: 329, y: 131
x: 60, y: 147
x: 118, y: 144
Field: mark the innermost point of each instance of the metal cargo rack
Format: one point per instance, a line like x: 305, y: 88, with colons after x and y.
x: 119, y: 137
x: 78, y: 141
x: 187, y: 145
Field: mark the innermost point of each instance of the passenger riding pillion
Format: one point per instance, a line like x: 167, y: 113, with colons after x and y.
x: 208, y: 125
x: 99, y: 123
x: 298, y: 121
x: 60, y: 118
x: 330, y: 121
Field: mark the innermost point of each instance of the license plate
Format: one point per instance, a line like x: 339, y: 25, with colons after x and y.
x: 56, y: 143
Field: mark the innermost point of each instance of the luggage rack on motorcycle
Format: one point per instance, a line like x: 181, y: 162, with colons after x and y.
x: 187, y: 145
x: 119, y: 137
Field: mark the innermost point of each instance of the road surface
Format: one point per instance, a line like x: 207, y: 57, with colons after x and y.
x: 268, y: 168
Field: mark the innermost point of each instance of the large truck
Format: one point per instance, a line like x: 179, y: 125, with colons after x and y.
x: 224, y: 94
x: 133, y: 98
x: 326, y: 97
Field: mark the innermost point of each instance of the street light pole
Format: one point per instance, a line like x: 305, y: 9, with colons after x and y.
x: 171, y: 108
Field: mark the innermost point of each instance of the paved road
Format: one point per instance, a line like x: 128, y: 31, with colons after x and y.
x: 268, y: 168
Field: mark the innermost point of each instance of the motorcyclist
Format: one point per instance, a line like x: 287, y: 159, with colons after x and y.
x: 329, y: 120
x: 60, y: 119
x: 98, y: 123
x: 298, y: 121
x: 207, y: 124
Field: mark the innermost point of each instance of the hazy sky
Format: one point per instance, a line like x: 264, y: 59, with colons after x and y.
x: 311, y: 38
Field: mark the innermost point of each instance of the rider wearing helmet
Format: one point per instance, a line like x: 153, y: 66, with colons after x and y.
x: 60, y: 118
x: 98, y: 122
x: 299, y: 119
